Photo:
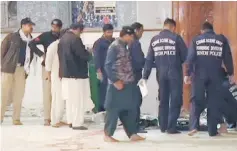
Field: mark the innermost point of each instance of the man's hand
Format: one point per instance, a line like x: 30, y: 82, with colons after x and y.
x: 232, y: 79
x: 90, y: 50
x: 119, y: 85
x: 142, y: 81
x: 187, y: 80
x: 182, y: 33
x: 42, y: 58
x: 99, y: 75
x: 48, y: 75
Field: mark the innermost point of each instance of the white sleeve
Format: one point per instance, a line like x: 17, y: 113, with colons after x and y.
x: 51, y: 52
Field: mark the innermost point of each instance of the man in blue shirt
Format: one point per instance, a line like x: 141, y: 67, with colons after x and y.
x: 100, y: 52
x: 138, y: 62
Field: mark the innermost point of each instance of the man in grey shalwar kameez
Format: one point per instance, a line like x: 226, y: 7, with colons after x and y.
x: 121, y: 92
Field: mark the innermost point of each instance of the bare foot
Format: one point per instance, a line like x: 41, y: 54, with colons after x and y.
x: 57, y: 125
x: 135, y: 138
x: 63, y: 123
x: 46, y: 122
x: 110, y: 139
x: 17, y: 122
x: 193, y: 132
x: 223, y: 129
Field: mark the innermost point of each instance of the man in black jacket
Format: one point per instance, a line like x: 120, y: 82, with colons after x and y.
x: 16, y: 57
x: 73, y: 68
x: 46, y: 39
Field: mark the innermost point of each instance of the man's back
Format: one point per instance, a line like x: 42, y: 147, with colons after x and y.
x: 169, y: 53
x: 73, y: 57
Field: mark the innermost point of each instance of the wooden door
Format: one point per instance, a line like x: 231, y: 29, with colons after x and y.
x: 225, y: 22
x: 189, y: 17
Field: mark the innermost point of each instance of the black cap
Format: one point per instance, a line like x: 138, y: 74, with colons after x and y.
x: 75, y: 26
x: 27, y: 20
x: 57, y: 22
x: 128, y: 30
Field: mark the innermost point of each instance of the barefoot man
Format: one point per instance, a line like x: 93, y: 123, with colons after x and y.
x: 120, y: 97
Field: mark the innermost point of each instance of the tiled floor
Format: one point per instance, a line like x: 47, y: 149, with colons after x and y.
x: 32, y: 136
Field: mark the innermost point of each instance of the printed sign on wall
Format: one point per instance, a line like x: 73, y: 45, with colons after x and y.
x: 94, y: 14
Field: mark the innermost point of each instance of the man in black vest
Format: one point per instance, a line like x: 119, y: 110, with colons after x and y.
x: 46, y: 39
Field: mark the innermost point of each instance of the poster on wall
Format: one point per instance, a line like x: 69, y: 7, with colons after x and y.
x: 94, y: 14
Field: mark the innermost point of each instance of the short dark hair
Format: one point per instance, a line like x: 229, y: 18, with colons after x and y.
x: 27, y: 20
x: 136, y: 26
x: 207, y: 26
x: 126, y: 30
x: 76, y: 26
x: 169, y: 21
x: 57, y: 22
x: 108, y: 27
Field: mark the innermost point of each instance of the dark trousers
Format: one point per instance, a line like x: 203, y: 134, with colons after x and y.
x: 194, y: 118
x: 139, y: 110
x: 138, y: 118
x: 229, y: 105
x: 170, y: 94
x: 212, y: 87
x: 102, y: 94
x: 127, y: 117
x: 227, y: 109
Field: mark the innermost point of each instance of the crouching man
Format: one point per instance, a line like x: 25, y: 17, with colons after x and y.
x: 120, y: 98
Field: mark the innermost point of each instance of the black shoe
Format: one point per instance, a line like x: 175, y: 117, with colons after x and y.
x: 173, y: 132
x: 163, y: 131
x: 214, y: 134
x: 80, y: 128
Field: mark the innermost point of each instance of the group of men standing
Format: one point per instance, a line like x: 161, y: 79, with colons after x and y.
x: 208, y: 55
x: 64, y: 73
x: 119, y: 65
